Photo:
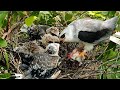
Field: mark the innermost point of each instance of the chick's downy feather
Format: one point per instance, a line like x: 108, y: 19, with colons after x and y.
x: 43, y: 63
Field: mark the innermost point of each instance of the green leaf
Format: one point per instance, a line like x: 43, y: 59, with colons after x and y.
x: 7, y: 59
x: 4, y: 23
x: 20, y: 13
x: 117, y: 75
x: 3, y: 43
x: 118, y: 61
x: 35, y: 13
x: 111, y: 76
x: 111, y: 14
x: 112, y: 54
x: 100, y: 15
x: 68, y: 16
x: 2, y: 17
x: 5, y: 76
x: 29, y: 21
x: 91, y: 12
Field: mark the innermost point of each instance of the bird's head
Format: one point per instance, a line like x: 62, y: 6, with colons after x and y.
x: 28, y: 48
x: 67, y: 34
x: 53, y: 49
x: 53, y: 31
x: 110, y: 24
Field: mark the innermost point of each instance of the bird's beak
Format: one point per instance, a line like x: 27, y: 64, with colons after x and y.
x: 62, y: 39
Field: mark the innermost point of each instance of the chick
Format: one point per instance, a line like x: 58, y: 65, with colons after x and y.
x: 49, y: 38
x: 43, y: 64
x: 35, y: 32
x: 53, y: 31
x: 26, y: 51
x: 29, y: 48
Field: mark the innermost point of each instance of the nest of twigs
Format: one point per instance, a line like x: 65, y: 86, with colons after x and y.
x: 70, y: 69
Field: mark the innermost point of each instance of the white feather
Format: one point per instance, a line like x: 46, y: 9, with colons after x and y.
x: 88, y: 46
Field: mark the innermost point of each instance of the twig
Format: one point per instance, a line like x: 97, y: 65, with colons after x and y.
x: 5, y: 35
x: 8, y: 22
x: 96, y: 74
x: 15, y: 64
x: 9, y: 31
x: 54, y: 76
x: 110, y: 60
x: 103, y: 52
x: 63, y: 76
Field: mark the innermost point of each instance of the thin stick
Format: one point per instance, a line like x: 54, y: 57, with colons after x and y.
x: 54, y: 76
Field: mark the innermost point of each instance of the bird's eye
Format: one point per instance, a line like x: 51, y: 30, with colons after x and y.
x: 53, y: 34
x: 21, y: 44
x: 50, y: 42
x: 63, y: 36
x: 56, y: 42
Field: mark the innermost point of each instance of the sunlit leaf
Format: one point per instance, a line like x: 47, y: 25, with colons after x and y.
x: 100, y: 15
x: 44, y: 12
x: 57, y: 18
x: 91, y: 13
x: 29, y: 21
x: 3, y: 43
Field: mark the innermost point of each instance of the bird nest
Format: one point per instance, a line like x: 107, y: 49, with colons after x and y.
x: 70, y: 69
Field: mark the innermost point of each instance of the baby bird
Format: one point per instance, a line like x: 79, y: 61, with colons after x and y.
x: 49, y: 38
x: 35, y: 32
x: 26, y: 51
x: 29, y: 48
x: 43, y: 64
x: 53, y: 31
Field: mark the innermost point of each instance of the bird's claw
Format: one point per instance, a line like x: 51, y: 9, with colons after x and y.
x: 82, y: 55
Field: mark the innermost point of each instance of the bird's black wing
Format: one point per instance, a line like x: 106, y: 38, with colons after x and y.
x: 90, y: 37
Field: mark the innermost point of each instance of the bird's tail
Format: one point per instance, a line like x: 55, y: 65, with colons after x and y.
x: 110, y: 23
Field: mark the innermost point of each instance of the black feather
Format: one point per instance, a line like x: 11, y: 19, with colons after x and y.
x: 90, y: 37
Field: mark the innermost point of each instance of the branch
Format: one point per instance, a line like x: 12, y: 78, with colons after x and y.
x: 8, y: 22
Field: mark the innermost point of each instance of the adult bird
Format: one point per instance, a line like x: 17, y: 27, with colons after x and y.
x: 88, y: 32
